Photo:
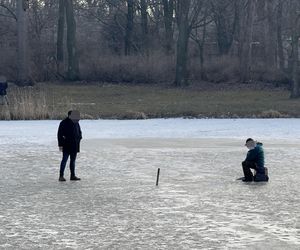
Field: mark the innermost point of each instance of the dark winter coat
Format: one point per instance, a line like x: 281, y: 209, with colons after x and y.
x: 256, y: 155
x: 69, y: 136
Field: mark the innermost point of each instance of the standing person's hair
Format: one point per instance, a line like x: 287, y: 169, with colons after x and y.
x: 70, y: 112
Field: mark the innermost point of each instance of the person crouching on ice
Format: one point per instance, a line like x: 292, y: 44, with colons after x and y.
x: 255, y: 160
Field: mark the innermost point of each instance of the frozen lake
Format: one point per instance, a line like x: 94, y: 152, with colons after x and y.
x: 197, y: 205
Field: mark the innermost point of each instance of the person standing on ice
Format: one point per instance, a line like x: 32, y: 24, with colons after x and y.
x: 69, y: 136
x: 255, y: 159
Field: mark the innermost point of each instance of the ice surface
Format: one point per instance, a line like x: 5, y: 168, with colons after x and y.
x: 45, y: 131
x: 197, y: 205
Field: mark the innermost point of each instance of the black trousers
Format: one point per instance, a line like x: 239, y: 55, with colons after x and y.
x: 64, y: 162
x: 247, y: 166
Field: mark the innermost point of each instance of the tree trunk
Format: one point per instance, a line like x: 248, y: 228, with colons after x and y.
x: 235, y: 27
x: 279, y: 36
x: 225, y: 24
x: 129, y: 28
x: 295, y: 66
x: 262, y: 16
x: 271, y: 36
x: 73, y: 64
x: 168, y: 21
x: 182, y: 43
x: 223, y: 39
x: 144, y: 15
x: 246, y: 40
x: 295, y: 47
x: 60, y: 38
x: 23, y: 78
x: 201, y: 50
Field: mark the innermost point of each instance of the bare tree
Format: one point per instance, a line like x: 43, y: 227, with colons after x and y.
x: 225, y: 16
x: 246, y: 32
x: 129, y: 27
x: 60, y: 37
x: 144, y: 16
x: 73, y: 64
x: 294, y: 22
x: 23, y: 77
x: 186, y: 18
x: 66, y: 13
x: 271, y: 42
x: 279, y: 35
x: 168, y: 23
x: 199, y: 35
x: 183, y: 8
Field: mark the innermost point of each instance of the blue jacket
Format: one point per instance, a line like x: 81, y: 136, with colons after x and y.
x: 257, y: 155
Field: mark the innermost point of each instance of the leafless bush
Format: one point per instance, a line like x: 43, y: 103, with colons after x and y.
x: 222, y: 69
x: 270, y: 75
x: 130, y: 69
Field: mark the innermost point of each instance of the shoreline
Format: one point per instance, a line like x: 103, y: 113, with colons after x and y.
x: 198, y: 117
x: 123, y: 102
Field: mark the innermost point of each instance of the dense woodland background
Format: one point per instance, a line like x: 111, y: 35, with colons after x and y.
x: 151, y: 41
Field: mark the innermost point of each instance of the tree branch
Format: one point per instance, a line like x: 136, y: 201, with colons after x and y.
x: 12, y: 14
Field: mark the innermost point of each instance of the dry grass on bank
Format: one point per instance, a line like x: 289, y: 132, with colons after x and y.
x: 112, y: 101
x: 25, y: 103
x: 28, y: 103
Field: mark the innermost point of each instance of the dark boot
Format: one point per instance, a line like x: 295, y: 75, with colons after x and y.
x: 74, y: 178
x: 61, y: 178
x: 246, y: 180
